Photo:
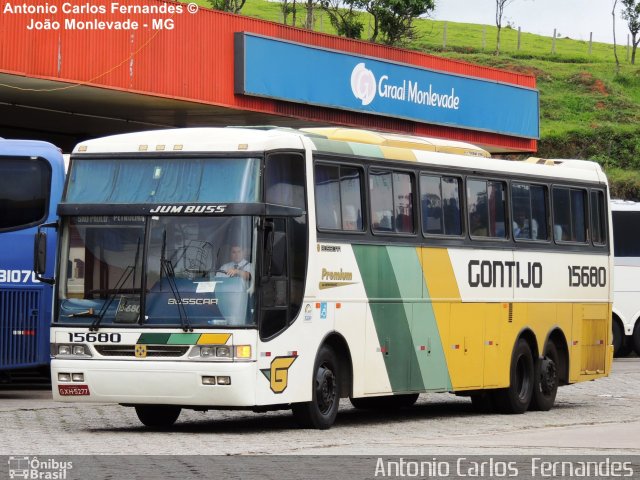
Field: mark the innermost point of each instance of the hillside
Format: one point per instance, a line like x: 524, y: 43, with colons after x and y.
x: 586, y: 110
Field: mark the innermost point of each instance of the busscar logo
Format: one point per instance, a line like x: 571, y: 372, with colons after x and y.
x: 363, y: 84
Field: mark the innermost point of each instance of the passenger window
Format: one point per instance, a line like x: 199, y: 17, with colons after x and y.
x: 440, y: 197
x: 569, y: 215
x: 529, y: 206
x: 487, y: 208
x: 328, y: 197
x: 351, y: 198
x: 391, y: 202
x: 598, y: 224
x: 338, y: 197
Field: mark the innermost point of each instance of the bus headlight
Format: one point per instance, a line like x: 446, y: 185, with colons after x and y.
x: 224, y: 352
x: 64, y: 350
x: 79, y: 350
x: 70, y: 350
x: 207, y: 351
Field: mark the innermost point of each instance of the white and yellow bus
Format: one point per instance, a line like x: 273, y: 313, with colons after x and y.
x: 272, y: 268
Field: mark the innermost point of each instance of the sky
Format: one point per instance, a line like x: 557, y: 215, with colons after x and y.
x: 572, y: 18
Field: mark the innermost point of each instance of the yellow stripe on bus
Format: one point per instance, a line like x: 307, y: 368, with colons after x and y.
x: 214, y: 338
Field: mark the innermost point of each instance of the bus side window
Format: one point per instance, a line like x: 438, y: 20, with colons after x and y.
x: 598, y: 223
x: 569, y: 214
x: 274, y: 284
x: 529, y: 207
x: 440, y: 198
x: 327, y: 186
x: 391, y: 201
x: 487, y: 208
x: 284, y: 180
x: 338, y: 197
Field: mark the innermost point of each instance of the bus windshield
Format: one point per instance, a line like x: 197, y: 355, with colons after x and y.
x: 164, y: 180
x: 196, y: 271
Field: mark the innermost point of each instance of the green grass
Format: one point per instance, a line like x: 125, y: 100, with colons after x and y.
x: 586, y: 109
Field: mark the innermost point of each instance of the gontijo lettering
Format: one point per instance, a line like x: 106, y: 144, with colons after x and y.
x: 504, y: 274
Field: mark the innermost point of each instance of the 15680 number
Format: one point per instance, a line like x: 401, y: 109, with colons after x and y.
x: 583, y: 276
x: 101, y: 337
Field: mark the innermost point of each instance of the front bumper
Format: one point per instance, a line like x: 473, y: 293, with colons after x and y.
x: 163, y: 383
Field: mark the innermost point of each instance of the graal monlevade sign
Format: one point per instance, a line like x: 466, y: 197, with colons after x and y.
x: 272, y: 68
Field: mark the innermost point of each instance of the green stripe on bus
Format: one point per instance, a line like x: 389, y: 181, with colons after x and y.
x: 389, y: 315
x: 154, y: 338
x: 403, y: 317
x: 331, y: 146
x: 430, y: 369
x: 183, y: 339
x: 366, y: 150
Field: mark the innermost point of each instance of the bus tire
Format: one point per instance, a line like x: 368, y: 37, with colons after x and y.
x: 620, y: 346
x: 636, y: 338
x: 404, y: 400
x: 517, y: 397
x: 158, y: 416
x: 545, y: 386
x: 320, y: 413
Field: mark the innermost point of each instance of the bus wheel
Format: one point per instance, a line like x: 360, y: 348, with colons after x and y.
x: 158, y: 416
x: 620, y: 344
x: 404, y: 400
x: 636, y: 337
x: 545, y: 386
x: 517, y: 397
x: 321, y: 411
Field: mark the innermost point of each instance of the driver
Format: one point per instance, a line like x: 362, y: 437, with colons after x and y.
x: 239, y: 266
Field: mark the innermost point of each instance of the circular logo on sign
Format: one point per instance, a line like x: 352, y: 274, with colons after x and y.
x: 363, y: 84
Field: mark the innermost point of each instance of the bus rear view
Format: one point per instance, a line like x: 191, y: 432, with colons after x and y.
x: 31, y: 180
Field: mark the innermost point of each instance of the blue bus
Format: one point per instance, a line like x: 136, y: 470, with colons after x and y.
x: 31, y: 182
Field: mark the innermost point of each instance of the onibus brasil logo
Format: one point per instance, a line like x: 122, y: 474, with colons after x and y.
x: 365, y: 87
x: 38, y: 469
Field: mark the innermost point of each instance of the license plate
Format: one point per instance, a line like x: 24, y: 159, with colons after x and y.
x: 67, y: 390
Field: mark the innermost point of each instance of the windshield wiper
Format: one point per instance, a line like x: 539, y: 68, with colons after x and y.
x: 170, y: 273
x: 119, y: 284
x: 166, y: 267
x: 103, y: 311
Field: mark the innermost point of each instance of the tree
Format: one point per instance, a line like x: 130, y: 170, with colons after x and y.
x: 310, y: 5
x: 343, y: 17
x: 233, y: 6
x: 631, y: 13
x: 393, y: 19
x: 500, y: 6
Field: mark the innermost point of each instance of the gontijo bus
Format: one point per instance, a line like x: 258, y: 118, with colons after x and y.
x: 271, y: 268
x: 31, y: 181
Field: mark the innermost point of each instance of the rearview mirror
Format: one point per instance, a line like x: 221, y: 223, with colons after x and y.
x: 40, y: 257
